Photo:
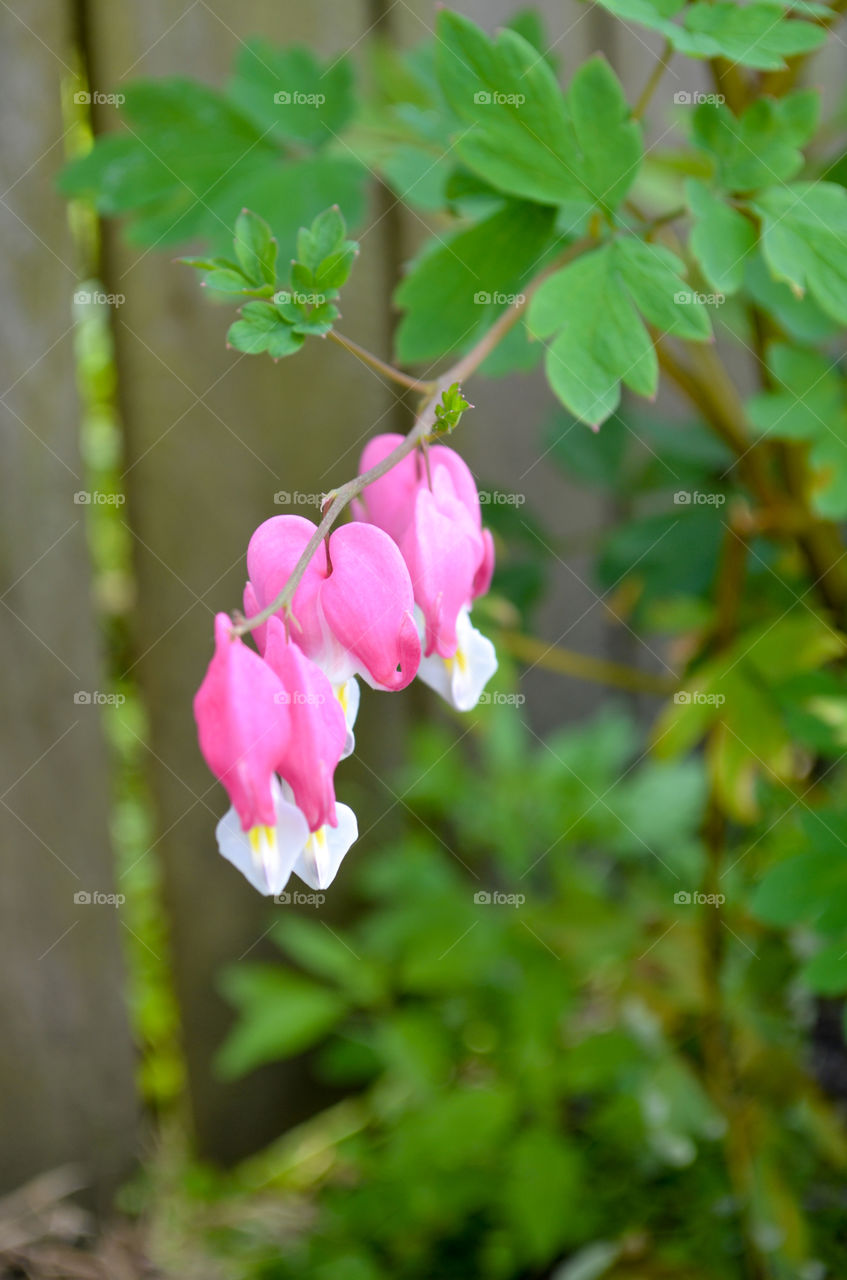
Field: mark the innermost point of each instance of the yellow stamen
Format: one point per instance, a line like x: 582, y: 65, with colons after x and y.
x: 460, y: 661
x: 261, y: 837
x: 317, y: 842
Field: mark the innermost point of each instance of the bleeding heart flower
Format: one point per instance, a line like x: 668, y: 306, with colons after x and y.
x: 318, y: 728
x: 243, y: 723
x: 257, y: 718
x: 354, y: 608
x: 461, y: 679
x: 266, y: 856
x: 435, y: 519
x: 389, y: 501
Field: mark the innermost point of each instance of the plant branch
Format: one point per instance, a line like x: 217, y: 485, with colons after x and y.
x: 653, y: 80
x: 721, y: 1069
x: 387, y: 370
x: 730, y: 81
x: 778, y: 83
x: 568, y: 662
x: 337, y: 499
x: 711, y: 389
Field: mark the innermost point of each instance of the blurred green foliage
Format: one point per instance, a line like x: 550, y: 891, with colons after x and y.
x: 520, y: 1009
x: 150, y: 995
x: 581, y: 1007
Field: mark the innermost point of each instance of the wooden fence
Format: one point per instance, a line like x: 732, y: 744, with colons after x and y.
x: 209, y: 437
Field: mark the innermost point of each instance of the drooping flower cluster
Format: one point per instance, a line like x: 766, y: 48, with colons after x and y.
x: 430, y: 508
x: 389, y: 599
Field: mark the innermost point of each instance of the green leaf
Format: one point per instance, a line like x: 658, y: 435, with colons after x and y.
x: 281, y: 1014
x: 302, y: 279
x: 209, y: 264
x: 517, y: 128
x: 542, y: 1193
x: 255, y: 248
x: 799, y: 890
x: 335, y: 269
x: 318, y: 321
x: 519, y: 133
x: 652, y: 275
x: 449, y: 410
x: 594, y: 304
x: 722, y: 238
x: 288, y: 93
x: 323, y: 237
x: 513, y: 354
x: 530, y: 24
x: 415, y: 174
x: 650, y: 13
x: 754, y: 35
x: 609, y: 141
x: 808, y: 396
x: 228, y: 281
x: 761, y: 146
x: 457, y: 287
x: 601, y: 341
x: 804, y: 241
x: 826, y: 972
x: 262, y: 328
x: 801, y: 318
x: 808, y: 403
x: 733, y: 694
x: 316, y: 947
x: 194, y: 160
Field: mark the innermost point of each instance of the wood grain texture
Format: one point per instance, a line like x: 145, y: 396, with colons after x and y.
x: 211, y: 437
x: 66, y: 1069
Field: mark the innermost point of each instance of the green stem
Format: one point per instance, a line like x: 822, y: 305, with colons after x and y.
x: 568, y: 662
x: 337, y: 499
x: 710, y: 388
x: 653, y: 80
x: 387, y: 370
x: 721, y: 1071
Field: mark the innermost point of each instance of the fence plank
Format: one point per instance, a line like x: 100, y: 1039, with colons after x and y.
x: 211, y: 436
x: 66, y: 1071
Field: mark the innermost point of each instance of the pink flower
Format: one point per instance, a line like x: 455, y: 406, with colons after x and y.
x: 450, y: 559
x: 390, y: 503
x: 318, y: 729
x: 355, y: 614
x: 266, y: 856
x: 243, y: 725
x: 272, y: 731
